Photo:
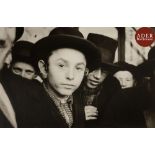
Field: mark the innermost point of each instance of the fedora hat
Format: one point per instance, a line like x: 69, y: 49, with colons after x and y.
x: 22, y: 52
x: 147, y: 67
x: 107, y: 47
x: 43, y: 48
x: 19, y: 32
x: 66, y: 30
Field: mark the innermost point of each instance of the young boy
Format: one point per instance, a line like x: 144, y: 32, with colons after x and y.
x: 63, y: 60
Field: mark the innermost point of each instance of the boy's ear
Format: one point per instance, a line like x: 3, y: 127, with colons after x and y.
x: 43, y: 68
x: 86, y: 71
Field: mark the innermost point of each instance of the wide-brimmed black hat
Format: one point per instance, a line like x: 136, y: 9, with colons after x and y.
x: 22, y: 52
x: 107, y: 47
x: 124, y: 66
x: 147, y: 67
x: 19, y: 32
x: 45, y: 46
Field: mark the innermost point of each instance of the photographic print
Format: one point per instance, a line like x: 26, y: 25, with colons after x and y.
x: 77, y: 77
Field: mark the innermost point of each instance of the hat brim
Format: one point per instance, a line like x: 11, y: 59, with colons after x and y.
x: 109, y: 67
x: 124, y: 66
x: 146, y: 68
x: 19, y: 32
x: 43, y: 47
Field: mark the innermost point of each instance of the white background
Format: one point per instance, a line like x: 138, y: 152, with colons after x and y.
x: 79, y: 13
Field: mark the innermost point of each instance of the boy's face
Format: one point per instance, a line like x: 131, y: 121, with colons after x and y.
x: 7, y: 36
x: 24, y: 70
x: 125, y: 78
x: 95, y: 78
x: 66, y: 68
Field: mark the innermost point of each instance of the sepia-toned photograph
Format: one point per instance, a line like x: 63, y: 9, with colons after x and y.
x: 77, y: 77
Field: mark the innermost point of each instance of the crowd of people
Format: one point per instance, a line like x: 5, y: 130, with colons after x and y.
x: 65, y: 80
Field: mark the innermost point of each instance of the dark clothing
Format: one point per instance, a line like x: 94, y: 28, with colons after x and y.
x: 4, y: 123
x: 126, y: 109
x: 33, y: 106
x: 102, y: 97
x: 50, y: 115
x: 64, y: 107
x: 20, y: 93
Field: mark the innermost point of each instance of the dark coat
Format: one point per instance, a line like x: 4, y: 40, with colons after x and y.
x: 48, y: 115
x: 4, y: 123
x: 33, y: 107
x: 20, y: 93
x: 126, y: 109
x: 109, y: 88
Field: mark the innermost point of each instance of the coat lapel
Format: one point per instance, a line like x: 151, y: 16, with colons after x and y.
x: 54, y: 113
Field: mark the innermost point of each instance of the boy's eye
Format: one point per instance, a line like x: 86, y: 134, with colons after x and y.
x: 17, y: 70
x: 61, y: 65
x: 29, y: 72
x: 80, y: 68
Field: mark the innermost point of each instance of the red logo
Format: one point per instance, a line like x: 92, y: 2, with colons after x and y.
x: 145, y: 36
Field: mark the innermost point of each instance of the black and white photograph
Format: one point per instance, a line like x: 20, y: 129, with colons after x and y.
x: 77, y: 77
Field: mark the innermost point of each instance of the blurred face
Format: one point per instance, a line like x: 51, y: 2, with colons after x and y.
x: 125, y: 78
x: 7, y: 36
x: 66, y: 71
x: 95, y: 78
x: 24, y: 70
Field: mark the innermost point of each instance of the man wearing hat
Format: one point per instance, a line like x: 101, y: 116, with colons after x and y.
x: 126, y: 74
x: 99, y: 87
x: 63, y: 60
x: 23, y: 61
x: 7, y: 38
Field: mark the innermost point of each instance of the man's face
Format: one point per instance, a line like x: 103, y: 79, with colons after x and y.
x: 66, y: 70
x: 24, y: 70
x: 95, y: 78
x: 125, y: 78
x: 7, y: 36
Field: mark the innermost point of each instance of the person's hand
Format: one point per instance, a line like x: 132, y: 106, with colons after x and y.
x: 91, y: 112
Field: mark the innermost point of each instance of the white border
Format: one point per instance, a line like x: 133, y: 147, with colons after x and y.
x: 51, y: 13
x: 98, y: 13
